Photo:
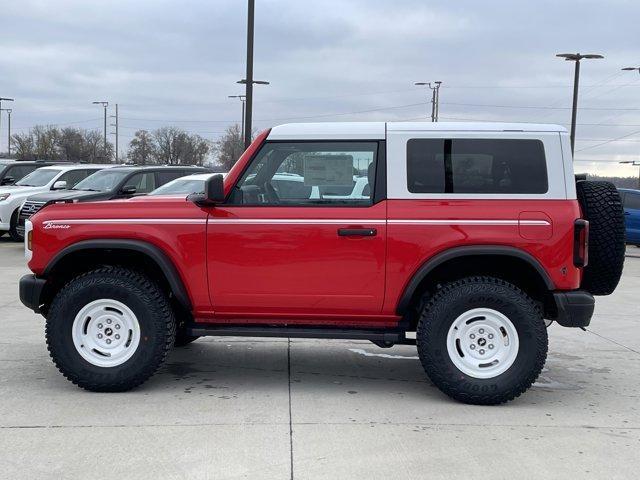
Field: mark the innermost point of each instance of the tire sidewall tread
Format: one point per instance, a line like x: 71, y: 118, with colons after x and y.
x: 455, y: 298
x: 151, y: 307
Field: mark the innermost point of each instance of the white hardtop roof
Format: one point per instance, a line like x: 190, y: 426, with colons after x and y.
x: 377, y: 130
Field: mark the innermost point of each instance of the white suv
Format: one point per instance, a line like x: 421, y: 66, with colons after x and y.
x: 58, y: 177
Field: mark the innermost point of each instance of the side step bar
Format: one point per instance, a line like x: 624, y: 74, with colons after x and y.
x: 382, y: 338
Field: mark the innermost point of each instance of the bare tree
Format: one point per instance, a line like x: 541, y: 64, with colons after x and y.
x: 46, y: 142
x: 142, y: 148
x: 230, y: 147
x: 165, y: 138
x: 71, y: 145
x: 24, y: 146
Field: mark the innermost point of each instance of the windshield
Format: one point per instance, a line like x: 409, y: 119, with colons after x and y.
x: 39, y: 178
x: 180, y: 186
x: 102, y: 181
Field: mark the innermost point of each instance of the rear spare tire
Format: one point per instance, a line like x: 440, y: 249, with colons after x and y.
x: 602, y: 207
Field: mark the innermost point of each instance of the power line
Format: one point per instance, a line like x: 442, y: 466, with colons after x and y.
x: 609, y: 141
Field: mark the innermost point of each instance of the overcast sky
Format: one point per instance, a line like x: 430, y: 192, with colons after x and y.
x: 175, y: 63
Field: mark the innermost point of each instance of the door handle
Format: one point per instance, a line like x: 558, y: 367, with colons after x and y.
x: 357, y: 232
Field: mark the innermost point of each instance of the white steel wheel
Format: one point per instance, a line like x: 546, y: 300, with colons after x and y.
x: 482, y: 343
x: 106, y: 333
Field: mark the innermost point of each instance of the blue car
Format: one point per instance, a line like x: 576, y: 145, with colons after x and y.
x: 631, y: 203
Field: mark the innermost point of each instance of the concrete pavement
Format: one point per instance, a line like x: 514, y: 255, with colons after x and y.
x: 307, y: 409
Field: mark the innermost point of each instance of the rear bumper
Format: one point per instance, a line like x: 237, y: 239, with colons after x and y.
x: 31, y: 290
x: 575, y: 308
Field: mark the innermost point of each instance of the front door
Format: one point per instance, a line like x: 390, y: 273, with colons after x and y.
x: 296, y: 239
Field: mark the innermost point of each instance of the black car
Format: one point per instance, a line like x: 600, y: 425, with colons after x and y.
x: 11, y: 170
x: 109, y: 184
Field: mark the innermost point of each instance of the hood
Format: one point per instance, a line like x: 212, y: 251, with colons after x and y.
x: 71, y: 195
x: 18, y: 190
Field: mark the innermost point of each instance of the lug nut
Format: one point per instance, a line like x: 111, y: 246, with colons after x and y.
x: 99, y: 335
x: 118, y: 338
x: 481, y: 350
x: 117, y: 326
x: 472, y: 336
x: 490, y: 335
x: 490, y: 345
x: 108, y: 341
x: 481, y: 331
x: 108, y: 320
x: 472, y: 347
x: 100, y: 325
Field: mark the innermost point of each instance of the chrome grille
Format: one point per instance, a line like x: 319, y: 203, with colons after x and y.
x: 29, y: 208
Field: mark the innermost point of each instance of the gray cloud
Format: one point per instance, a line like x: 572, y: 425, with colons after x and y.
x: 175, y: 62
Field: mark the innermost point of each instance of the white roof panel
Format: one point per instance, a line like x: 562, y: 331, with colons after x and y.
x: 377, y: 130
x: 329, y: 130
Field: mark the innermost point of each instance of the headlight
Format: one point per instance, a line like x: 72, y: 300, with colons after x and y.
x: 4, y: 196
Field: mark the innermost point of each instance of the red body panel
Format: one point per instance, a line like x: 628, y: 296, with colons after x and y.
x: 288, y: 264
x: 183, y: 243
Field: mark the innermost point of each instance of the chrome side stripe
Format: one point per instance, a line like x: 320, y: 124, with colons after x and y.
x: 292, y: 221
x: 469, y: 222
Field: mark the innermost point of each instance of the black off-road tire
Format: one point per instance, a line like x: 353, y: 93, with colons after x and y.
x: 602, y: 207
x: 456, y: 298
x: 13, y: 228
x: 140, y: 294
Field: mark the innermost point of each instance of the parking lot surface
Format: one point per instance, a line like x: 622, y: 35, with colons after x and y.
x: 278, y: 409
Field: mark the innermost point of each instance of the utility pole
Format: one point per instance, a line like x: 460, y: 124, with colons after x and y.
x: 104, y: 105
x: 6, y: 100
x: 435, y: 97
x: 242, y: 99
x: 576, y: 57
x: 248, y: 81
x: 116, y: 132
x: 9, y: 110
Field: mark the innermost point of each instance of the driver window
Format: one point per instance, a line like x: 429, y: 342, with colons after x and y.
x: 309, y: 173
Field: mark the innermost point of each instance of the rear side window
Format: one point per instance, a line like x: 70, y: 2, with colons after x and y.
x: 465, y: 165
x: 166, y: 177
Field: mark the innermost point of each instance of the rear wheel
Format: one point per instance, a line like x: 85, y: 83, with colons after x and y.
x: 110, y: 329
x: 482, y: 340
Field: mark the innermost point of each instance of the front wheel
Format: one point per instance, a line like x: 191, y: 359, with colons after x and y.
x: 110, y: 329
x: 482, y: 340
x: 15, y: 235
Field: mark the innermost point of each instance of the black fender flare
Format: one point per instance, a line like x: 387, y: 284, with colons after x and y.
x: 151, y: 251
x: 466, y: 251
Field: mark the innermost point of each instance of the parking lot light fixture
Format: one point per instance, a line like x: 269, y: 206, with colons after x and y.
x: 576, y: 57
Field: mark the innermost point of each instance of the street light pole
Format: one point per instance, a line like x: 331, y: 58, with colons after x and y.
x: 104, y: 105
x: 242, y: 99
x: 6, y: 100
x: 9, y: 110
x: 576, y: 57
x: 435, y: 97
x: 248, y: 81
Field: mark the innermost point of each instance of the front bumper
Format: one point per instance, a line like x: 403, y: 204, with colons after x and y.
x: 31, y: 291
x: 575, y: 308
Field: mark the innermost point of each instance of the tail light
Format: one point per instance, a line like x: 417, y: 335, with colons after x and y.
x: 581, y: 243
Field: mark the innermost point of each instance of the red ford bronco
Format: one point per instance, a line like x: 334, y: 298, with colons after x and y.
x: 473, y: 236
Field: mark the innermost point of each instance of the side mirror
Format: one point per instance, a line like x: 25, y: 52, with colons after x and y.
x: 59, y: 185
x: 213, y: 192
x: 214, y: 189
x: 128, y: 190
x: 8, y: 181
